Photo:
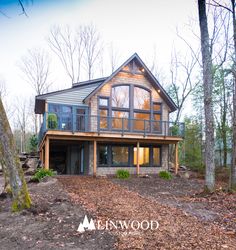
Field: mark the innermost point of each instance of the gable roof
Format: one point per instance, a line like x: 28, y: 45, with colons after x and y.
x: 147, y: 73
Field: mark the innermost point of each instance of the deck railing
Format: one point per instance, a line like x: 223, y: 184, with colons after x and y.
x: 101, y: 124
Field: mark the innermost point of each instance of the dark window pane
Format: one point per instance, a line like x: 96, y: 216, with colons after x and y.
x: 143, y: 156
x: 120, y: 96
x: 120, y: 155
x: 139, y: 121
x: 103, y: 155
x: 66, y: 122
x: 141, y: 99
x: 157, y: 123
x: 103, y: 101
x: 53, y: 108
x: 156, y: 106
x: 103, y: 118
x: 117, y: 117
x: 66, y: 109
x: 156, y: 157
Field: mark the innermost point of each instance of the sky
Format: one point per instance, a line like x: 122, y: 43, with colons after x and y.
x: 131, y: 25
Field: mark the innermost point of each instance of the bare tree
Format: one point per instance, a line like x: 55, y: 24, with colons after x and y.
x: 92, y: 47
x: 208, y: 103
x: 35, y: 68
x: 22, y: 119
x: 233, y: 167
x: 69, y: 47
x: 113, y: 57
x: 182, y: 83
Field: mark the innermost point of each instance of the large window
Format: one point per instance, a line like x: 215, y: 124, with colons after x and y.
x: 117, y: 155
x: 103, y: 155
x: 103, y: 112
x: 144, y: 156
x: 141, y: 99
x: 120, y: 120
x: 120, y: 155
x: 157, y: 123
x: 120, y: 107
x: 64, y: 115
x: 120, y: 96
x: 130, y: 108
x: 142, y: 109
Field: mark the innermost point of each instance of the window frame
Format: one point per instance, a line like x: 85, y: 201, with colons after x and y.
x: 103, y: 107
x: 157, y: 112
x: 130, y: 155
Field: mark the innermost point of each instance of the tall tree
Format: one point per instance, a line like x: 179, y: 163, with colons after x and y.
x: 18, y: 187
x: 35, y: 67
x: 182, y: 84
x: 77, y: 50
x: 208, y: 103
x: 233, y: 167
x: 92, y: 47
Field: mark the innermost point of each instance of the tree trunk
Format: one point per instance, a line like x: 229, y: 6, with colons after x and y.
x: 233, y: 167
x: 208, y: 103
x: 21, y: 198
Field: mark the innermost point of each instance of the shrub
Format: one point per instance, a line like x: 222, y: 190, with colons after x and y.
x: 122, y: 174
x: 52, y: 121
x: 41, y: 173
x: 175, y: 130
x: 165, y: 175
x: 33, y: 143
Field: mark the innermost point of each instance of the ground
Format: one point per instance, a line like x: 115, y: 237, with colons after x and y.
x: 187, y: 219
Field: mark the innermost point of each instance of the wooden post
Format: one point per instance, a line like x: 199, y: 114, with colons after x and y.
x: 46, y: 163
x: 138, y: 170
x: 176, y: 158
x: 43, y: 158
x: 94, y: 158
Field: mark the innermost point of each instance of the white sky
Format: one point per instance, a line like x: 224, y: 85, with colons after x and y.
x: 132, y: 26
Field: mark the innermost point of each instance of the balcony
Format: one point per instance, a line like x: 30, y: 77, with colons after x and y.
x: 100, y: 124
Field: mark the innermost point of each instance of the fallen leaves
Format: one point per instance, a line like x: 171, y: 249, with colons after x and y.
x: 178, y: 230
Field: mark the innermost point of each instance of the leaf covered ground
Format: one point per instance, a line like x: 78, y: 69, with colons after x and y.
x: 178, y: 229
x: 188, y: 219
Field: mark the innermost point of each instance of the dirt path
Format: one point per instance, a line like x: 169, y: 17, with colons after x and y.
x: 177, y: 230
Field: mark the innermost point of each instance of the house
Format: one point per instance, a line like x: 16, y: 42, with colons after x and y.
x: 118, y: 122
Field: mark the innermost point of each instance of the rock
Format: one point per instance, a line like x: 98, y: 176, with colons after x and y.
x: 144, y: 176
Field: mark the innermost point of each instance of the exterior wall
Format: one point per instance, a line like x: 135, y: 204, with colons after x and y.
x: 73, y: 96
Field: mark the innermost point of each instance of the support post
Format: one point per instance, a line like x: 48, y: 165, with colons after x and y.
x: 176, y: 158
x: 94, y: 158
x: 43, y: 156
x: 138, y: 170
x: 46, y: 163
